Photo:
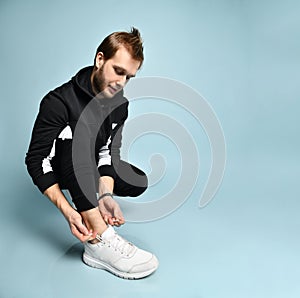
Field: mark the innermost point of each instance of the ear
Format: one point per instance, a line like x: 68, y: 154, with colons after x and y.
x: 99, y: 60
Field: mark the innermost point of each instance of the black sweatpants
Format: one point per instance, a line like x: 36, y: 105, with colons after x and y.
x: 136, y: 183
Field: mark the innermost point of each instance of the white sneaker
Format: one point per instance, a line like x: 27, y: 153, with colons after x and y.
x: 115, y: 254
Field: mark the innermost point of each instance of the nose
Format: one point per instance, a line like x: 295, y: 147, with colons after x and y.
x: 121, y: 82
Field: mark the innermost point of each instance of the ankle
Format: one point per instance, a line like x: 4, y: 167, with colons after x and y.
x: 97, y: 240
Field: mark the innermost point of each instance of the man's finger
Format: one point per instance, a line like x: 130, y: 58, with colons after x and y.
x: 119, y: 216
x: 115, y: 221
x: 105, y: 218
x: 110, y: 221
x: 82, y: 228
x: 83, y: 238
x: 92, y: 236
x: 79, y: 235
x: 118, y: 221
x: 118, y: 213
x: 122, y: 221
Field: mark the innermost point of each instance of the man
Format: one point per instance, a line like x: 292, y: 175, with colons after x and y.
x: 53, y: 164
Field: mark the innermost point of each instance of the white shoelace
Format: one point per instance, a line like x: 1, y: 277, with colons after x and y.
x: 118, y: 243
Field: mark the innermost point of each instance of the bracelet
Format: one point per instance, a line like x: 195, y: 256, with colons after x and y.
x: 107, y: 194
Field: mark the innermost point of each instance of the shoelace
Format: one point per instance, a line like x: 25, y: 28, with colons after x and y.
x: 118, y: 243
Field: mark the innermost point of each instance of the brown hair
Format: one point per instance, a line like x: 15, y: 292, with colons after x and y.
x: 132, y: 41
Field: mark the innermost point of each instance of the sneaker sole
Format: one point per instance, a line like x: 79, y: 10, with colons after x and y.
x: 126, y: 275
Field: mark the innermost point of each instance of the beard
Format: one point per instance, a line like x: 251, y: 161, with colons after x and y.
x: 98, y: 81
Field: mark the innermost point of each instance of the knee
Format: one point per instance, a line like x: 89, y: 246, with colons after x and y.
x: 142, y: 185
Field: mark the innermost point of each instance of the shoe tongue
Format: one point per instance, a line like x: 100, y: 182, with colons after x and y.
x: 108, y: 233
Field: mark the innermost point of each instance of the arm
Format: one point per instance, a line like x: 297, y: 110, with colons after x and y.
x: 52, y: 117
x: 106, y: 185
x: 109, y: 208
x: 109, y: 157
x: 71, y: 215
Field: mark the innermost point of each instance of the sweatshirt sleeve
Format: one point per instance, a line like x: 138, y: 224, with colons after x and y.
x: 52, y: 117
x: 109, y: 154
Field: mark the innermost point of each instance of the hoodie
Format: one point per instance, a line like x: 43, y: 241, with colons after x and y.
x: 85, y: 129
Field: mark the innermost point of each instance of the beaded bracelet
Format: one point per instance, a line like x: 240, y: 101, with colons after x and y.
x: 107, y: 194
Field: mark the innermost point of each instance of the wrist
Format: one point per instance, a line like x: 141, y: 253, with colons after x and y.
x: 106, y: 194
x: 66, y: 209
x: 58, y: 199
x: 106, y: 185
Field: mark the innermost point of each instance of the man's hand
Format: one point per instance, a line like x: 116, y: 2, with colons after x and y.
x: 77, y: 228
x: 111, y: 212
x: 74, y: 219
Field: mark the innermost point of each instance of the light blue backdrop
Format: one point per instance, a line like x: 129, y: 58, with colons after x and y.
x: 243, y: 57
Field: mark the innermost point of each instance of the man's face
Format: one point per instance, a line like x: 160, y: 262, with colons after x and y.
x: 110, y: 76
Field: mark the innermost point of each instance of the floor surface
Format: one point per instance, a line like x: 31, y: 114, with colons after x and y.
x: 245, y: 243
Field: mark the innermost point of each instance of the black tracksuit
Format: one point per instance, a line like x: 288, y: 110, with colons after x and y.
x: 51, y: 158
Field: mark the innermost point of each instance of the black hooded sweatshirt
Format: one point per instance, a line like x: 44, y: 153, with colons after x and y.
x: 62, y: 113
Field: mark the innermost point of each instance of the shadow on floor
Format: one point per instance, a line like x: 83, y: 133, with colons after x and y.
x: 39, y: 218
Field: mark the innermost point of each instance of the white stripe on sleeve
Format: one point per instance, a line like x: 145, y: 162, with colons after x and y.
x: 46, y: 163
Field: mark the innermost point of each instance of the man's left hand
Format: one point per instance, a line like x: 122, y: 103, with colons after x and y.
x: 111, y: 211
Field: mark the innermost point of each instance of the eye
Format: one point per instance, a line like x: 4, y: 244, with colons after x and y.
x: 119, y: 71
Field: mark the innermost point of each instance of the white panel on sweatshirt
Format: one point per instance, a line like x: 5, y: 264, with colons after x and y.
x: 66, y: 133
x: 46, y: 163
x: 104, y: 156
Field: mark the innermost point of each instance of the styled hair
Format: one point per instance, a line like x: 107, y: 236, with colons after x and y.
x: 132, y: 42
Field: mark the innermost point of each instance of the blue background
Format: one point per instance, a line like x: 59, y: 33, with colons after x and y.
x: 243, y: 57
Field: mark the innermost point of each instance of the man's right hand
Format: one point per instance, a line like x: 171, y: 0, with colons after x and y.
x: 74, y: 219
x: 77, y: 228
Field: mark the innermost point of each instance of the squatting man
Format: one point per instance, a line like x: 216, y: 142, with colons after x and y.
x: 50, y: 161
